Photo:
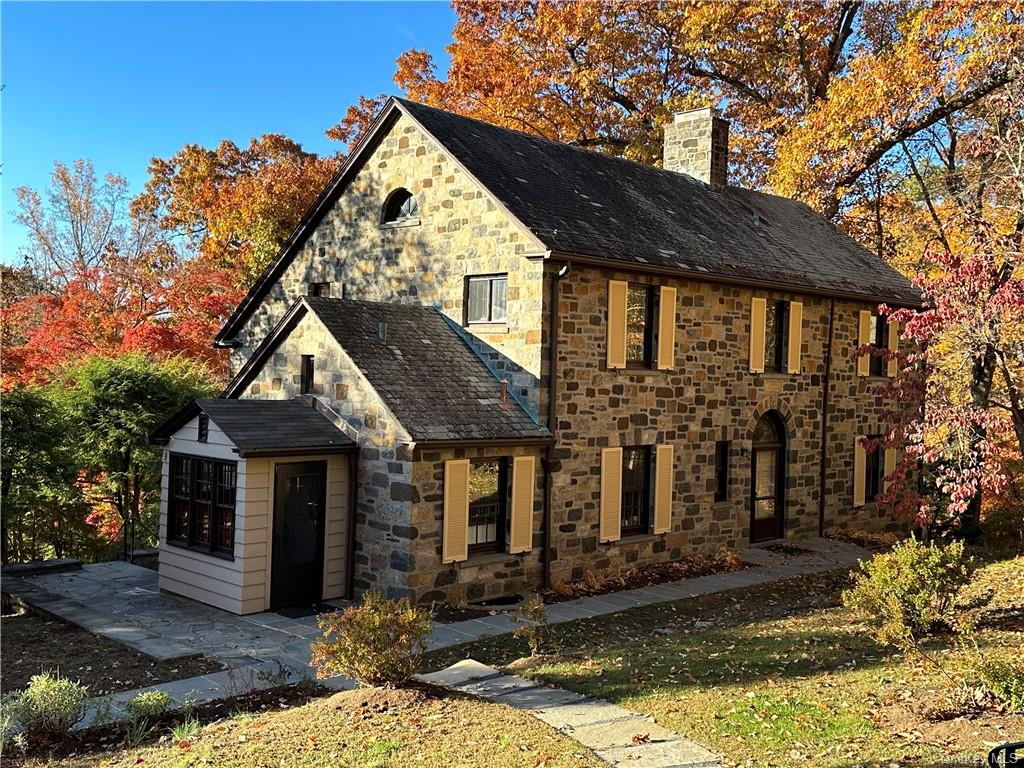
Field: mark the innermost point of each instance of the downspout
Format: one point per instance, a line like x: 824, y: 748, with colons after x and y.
x: 350, y: 545
x: 552, y: 423
x: 826, y: 381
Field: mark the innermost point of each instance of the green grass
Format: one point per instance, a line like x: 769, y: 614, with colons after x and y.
x: 782, y: 676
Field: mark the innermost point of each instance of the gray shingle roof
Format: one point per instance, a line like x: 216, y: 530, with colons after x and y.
x: 582, y: 202
x: 427, y: 375
x: 264, y: 426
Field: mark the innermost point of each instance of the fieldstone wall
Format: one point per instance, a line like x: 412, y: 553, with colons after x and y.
x: 711, y: 395
x: 480, y: 577
x: 461, y: 231
x: 385, y: 491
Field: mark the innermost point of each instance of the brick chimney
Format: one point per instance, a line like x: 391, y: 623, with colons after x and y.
x: 697, y: 144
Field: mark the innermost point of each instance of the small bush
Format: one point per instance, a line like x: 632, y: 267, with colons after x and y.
x: 149, y: 704
x: 1004, y: 678
x: 535, y: 627
x: 50, y: 705
x: 378, y: 642
x: 912, y: 591
x: 10, y: 711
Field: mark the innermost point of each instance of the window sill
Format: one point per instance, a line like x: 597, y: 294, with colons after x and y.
x: 200, y: 550
x: 488, y: 327
x: 637, y: 538
x: 401, y: 224
x: 490, y: 558
x: 776, y: 375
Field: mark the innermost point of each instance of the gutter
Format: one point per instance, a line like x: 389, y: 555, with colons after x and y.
x: 481, y: 443
x: 350, y: 543
x: 709, y: 277
x: 826, y: 381
x: 549, y: 458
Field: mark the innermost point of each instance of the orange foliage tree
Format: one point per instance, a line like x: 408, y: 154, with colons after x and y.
x: 233, y: 205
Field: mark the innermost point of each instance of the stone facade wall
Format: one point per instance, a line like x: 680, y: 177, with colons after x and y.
x: 711, y: 395
x: 481, y: 576
x: 384, y: 474
x: 461, y: 232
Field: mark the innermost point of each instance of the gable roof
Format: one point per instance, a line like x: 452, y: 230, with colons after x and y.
x: 263, y: 427
x: 594, y: 207
x: 422, y: 369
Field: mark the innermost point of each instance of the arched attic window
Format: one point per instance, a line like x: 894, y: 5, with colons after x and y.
x: 400, y: 206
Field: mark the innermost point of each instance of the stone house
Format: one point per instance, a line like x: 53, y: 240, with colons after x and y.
x: 543, y: 362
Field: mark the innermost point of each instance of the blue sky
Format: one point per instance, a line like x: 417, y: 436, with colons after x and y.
x: 119, y: 83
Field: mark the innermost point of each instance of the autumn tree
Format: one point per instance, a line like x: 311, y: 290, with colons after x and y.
x: 234, y: 206
x: 819, y: 93
x: 99, y: 280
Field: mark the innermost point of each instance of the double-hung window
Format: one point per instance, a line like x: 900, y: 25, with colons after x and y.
x: 874, y: 470
x: 640, y: 326
x: 878, y: 338
x: 201, y: 505
x: 722, y: 470
x: 487, y: 299
x: 776, y: 333
x: 488, y: 505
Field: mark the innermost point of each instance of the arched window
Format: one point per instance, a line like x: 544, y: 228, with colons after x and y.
x: 400, y: 206
x: 768, y: 478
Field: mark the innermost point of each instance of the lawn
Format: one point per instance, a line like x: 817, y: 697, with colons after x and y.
x: 31, y: 643
x: 368, y: 728
x: 775, y: 675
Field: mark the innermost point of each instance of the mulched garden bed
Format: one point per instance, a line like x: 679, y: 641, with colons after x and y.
x: 114, y: 736
x: 35, y: 642
x: 646, y: 576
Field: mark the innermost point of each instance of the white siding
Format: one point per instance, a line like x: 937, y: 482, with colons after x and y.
x: 242, y: 585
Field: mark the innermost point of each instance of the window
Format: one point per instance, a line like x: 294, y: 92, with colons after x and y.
x: 640, y: 325
x: 874, y: 469
x: 488, y: 496
x: 722, y: 470
x: 204, y: 428
x: 878, y: 338
x: 636, y: 490
x: 400, y: 207
x: 487, y: 299
x: 306, y: 376
x: 201, y: 508
x: 776, y: 332
x: 319, y: 289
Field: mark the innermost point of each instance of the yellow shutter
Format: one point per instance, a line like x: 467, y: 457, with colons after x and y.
x: 663, y: 487
x: 456, y: 511
x: 894, y: 345
x: 523, y: 485
x: 757, y: 311
x: 891, y: 457
x: 863, y: 338
x: 617, y: 291
x: 611, y: 494
x: 796, y: 322
x: 667, y: 329
x: 859, y: 468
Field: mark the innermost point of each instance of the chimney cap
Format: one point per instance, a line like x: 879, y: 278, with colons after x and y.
x: 680, y: 117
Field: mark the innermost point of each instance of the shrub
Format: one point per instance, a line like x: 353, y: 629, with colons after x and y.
x: 535, y: 627
x: 50, y: 705
x: 149, y: 704
x: 1004, y: 677
x: 10, y: 710
x: 912, y: 591
x: 378, y: 642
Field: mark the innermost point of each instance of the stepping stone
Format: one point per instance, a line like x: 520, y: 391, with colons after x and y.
x: 496, y: 687
x: 569, y: 717
x: 620, y: 733
x: 663, y: 754
x: 463, y: 672
x: 541, y: 698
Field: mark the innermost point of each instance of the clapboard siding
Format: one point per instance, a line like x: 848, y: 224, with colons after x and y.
x: 242, y: 585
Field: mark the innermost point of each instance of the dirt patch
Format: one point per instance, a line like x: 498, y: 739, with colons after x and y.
x: 872, y: 540
x: 646, y: 576
x: 377, y: 700
x: 36, y: 642
x: 957, y: 735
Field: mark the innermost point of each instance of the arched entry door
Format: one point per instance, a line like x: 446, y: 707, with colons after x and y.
x: 768, y: 478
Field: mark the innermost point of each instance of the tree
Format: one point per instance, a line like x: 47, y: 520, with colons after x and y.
x: 971, y: 335
x: 234, y: 206
x: 98, y: 280
x: 113, y: 405
x: 44, y: 513
x: 819, y: 93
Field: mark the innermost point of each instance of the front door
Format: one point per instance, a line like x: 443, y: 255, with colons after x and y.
x: 768, y: 479
x: 297, y: 571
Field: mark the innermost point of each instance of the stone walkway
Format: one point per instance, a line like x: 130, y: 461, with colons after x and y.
x: 614, y: 734
x: 123, y: 602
